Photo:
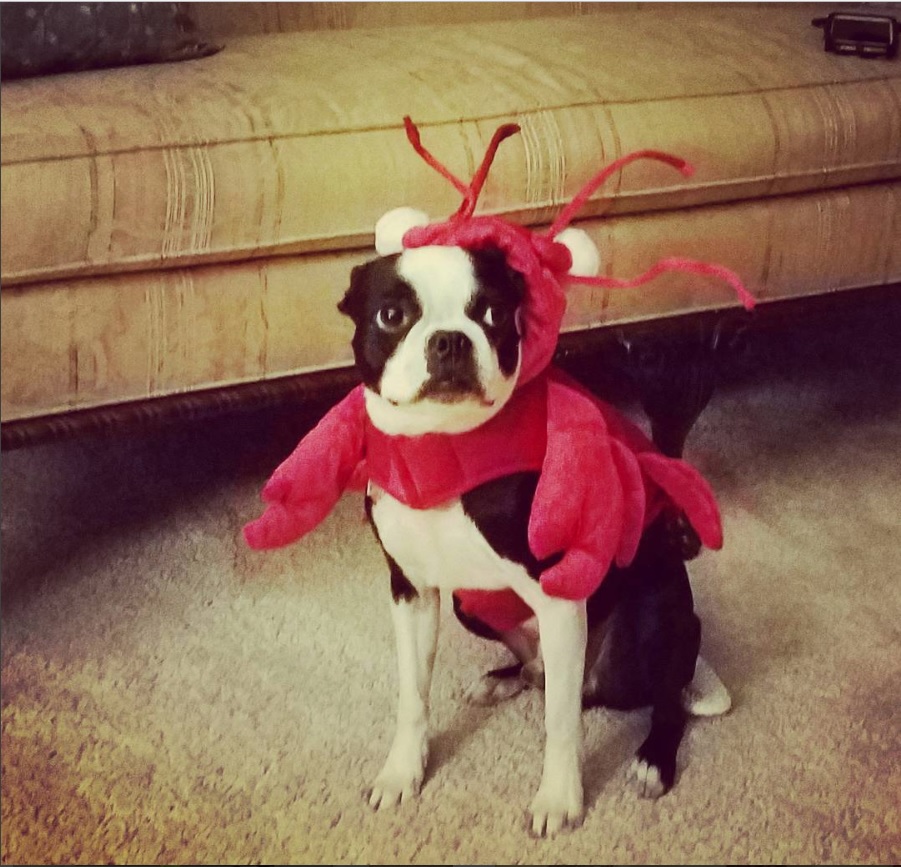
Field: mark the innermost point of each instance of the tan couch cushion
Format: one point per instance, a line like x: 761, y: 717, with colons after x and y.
x: 74, y: 344
x: 290, y: 143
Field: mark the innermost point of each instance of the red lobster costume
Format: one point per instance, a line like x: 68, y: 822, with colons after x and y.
x: 601, y: 480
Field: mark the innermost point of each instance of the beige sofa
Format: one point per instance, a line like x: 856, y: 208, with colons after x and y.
x: 177, y: 235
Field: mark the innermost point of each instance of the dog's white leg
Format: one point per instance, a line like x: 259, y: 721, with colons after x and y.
x: 563, y: 631
x: 416, y: 633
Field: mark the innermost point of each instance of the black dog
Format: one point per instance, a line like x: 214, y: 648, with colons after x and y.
x: 437, y: 342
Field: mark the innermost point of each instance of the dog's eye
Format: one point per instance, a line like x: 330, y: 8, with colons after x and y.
x: 494, y: 316
x: 391, y: 318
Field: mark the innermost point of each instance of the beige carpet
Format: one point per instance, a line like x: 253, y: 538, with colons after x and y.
x: 171, y: 697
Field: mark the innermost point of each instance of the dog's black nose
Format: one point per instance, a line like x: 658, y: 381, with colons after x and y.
x: 451, y: 365
x: 450, y: 360
x: 449, y: 346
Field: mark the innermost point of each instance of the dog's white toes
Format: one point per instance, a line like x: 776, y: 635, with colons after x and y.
x: 489, y: 690
x: 645, y: 778
x: 549, y: 815
x: 389, y: 790
x: 553, y: 824
x: 550, y: 823
x: 401, y: 776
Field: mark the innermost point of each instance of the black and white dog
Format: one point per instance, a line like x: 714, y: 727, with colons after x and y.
x: 437, y: 344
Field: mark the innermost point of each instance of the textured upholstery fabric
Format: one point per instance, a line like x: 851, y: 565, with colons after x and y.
x: 177, y: 227
x: 236, y: 19
x: 281, y: 144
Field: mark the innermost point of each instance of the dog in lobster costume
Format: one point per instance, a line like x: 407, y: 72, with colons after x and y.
x: 488, y: 472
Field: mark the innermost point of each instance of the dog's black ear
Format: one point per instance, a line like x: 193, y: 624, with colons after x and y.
x: 349, y: 305
x: 517, y: 280
x: 493, y: 268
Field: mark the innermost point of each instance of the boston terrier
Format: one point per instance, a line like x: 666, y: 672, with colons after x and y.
x: 437, y: 342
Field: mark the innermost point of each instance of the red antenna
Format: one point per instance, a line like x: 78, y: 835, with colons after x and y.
x: 469, y: 192
x: 564, y: 218
x: 478, y: 180
x: 676, y: 263
x: 416, y: 141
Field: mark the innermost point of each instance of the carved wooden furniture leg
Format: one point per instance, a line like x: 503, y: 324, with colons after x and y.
x: 674, y: 372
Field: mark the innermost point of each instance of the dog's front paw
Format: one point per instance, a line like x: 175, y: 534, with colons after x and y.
x: 558, y: 806
x: 401, y: 777
x: 647, y: 778
x: 393, y: 787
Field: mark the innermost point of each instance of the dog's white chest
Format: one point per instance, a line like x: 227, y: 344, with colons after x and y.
x: 441, y: 547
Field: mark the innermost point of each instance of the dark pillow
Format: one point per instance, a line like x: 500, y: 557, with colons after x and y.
x: 46, y: 38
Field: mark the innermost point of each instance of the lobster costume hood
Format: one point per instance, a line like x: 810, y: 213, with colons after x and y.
x: 601, y: 480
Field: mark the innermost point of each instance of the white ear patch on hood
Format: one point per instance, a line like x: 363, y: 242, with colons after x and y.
x: 392, y: 226
x: 586, y: 258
